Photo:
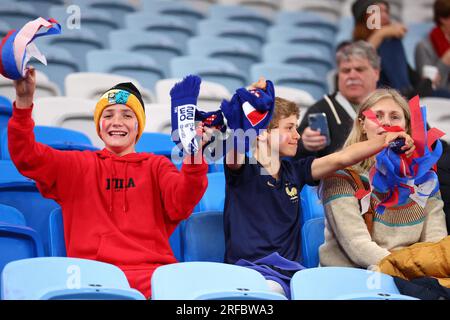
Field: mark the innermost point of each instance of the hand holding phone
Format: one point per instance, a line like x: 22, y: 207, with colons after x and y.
x: 318, y: 122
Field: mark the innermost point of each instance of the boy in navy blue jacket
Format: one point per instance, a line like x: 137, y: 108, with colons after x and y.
x: 261, y: 213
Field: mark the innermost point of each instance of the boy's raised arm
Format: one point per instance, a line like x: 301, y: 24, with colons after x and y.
x: 356, y: 153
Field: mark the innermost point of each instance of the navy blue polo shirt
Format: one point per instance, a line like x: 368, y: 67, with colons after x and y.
x: 261, y: 214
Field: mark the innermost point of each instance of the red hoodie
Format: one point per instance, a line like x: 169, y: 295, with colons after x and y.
x: 119, y: 210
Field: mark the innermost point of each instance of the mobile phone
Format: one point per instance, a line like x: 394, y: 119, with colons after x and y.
x: 318, y: 122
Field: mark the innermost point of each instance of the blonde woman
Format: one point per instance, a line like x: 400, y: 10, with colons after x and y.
x: 362, y: 239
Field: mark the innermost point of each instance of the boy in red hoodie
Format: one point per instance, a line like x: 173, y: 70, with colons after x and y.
x: 118, y: 206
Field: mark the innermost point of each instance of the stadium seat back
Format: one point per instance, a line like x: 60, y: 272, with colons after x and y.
x: 239, y: 31
x: 181, y: 10
x: 241, y: 14
x: 210, y: 96
x: 55, y: 278
x: 209, y: 281
x: 203, y: 238
x: 210, y: 69
x: 157, y: 143
x: 312, y: 238
x: 92, y: 85
x: 21, y: 193
x: 57, y: 245
x: 11, y: 215
x: 16, y: 14
x: 55, y: 137
x: 235, y: 51
x: 129, y: 64
x: 214, y: 197
x: 291, y: 76
x: 343, y: 283
x: 311, y: 204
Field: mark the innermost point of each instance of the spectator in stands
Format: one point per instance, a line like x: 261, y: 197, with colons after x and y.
x: 443, y: 172
x: 434, y: 49
x: 386, y: 38
x: 358, y: 67
x: 118, y: 206
x: 261, y: 214
x: 359, y: 237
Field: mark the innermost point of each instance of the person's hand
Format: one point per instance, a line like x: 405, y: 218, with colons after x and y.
x: 409, y: 146
x: 25, y: 89
x: 437, y: 80
x: 446, y: 57
x: 260, y: 84
x: 204, y: 133
x: 394, y: 30
x: 313, y: 140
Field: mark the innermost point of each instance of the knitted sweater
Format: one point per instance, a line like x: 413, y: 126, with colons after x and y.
x: 347, y: 240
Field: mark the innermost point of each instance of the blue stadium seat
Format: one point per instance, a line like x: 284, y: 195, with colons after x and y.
x: 289, y: 75
x: 214, y: 197
x: 155, y: 44
x: 17, y: 241
x: 55, y: 137
x: 311, y: 205
x: 138, y: 66
x: 311, y: 37
x: 345, y: 30
x: 57, y: 244
x: 342, y: 283
x: 56, y: 241
x: 266, y: 7
x: 203, y: 238
x: 21, y: 193
x: 293, y: 33
x: 209, y: 281
x: 42, y: 7
x: 16, y: 14
x: 178, y: 9
x: 240, y: 14
x: 306, y: 55
x: 216, y: 166
x: 60, y: 63
x: 98, y: 20
x: 116, y: 8
x: 176, y: 244
x: 416, y: 33
x: 157, y: 143
x: 306, y: 19
x: 4, y: 28
x: 11, y: 215
x: 60, y: 278
x: 77, y: 41
x: 235, y: 51
x: 5, y: 113
x: 210, y: 69
x: 178, y: 30
x: 237, y: 31
x: 312, y: 238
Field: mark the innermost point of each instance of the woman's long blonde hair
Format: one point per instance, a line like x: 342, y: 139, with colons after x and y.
x: 357, y: 134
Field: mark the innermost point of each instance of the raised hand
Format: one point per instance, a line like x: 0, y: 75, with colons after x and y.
x: 409, y: 146
x: 313, y: 140
x: 25, y: 89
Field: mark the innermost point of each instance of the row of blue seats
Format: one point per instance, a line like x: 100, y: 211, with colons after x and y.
x: 25, y: 277
x: 200, y: 238
x: 53, y: 278
x: 107, y: 12
x: 166, y: 38
x: 68, y: 139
